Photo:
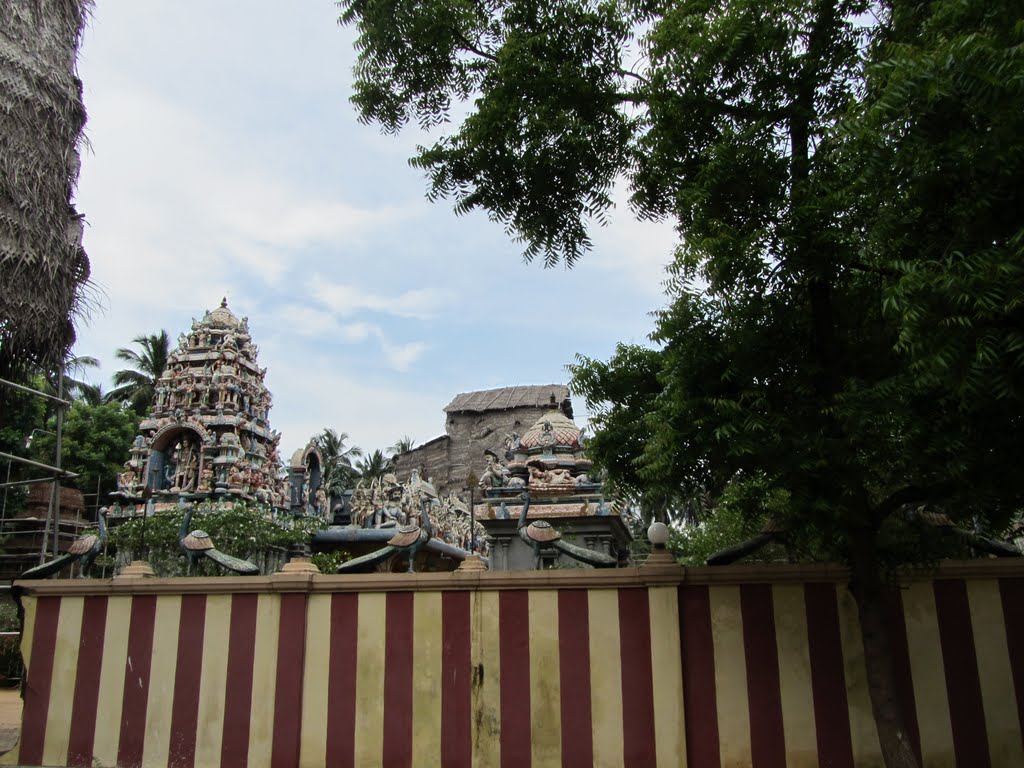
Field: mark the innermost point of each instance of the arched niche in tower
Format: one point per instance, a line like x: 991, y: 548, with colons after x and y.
x: 175, y: 460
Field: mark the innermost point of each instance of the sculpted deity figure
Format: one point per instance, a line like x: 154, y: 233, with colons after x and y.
x: 189, y: 478
x: 547, y: 437
x: 496, y: 474
x: 187, y: 466
x: 548, y: 478
x: 205, y: 478
x: 512, y: 444
x: 388, y: 501
x: 361, y: 504
x: 126, y: 479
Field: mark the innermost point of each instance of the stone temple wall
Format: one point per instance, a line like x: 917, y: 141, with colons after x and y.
x: 429, y: 459
x: 449, y: 461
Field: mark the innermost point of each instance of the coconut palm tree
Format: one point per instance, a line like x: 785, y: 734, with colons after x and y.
x: 43, y: 269
x: 402, y: 445
x: 137, y: 386
x: 90, y: 394
x: 339, y: 474
x: 74, y: 387
x: 374, y: 465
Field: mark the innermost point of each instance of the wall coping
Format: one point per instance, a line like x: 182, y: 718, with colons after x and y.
x: 645, y: 576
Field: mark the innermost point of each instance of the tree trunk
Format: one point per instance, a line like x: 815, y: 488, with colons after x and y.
x: 43, y: 265
x: 870, y: 595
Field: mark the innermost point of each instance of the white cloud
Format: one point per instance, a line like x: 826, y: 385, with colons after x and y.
x: 347, y: 299
x: 168, y: 199
x: 401, y: 356
x: 327, y: 396
x: 636, y: 251
x: 306, y: 321
x: 324, y: 326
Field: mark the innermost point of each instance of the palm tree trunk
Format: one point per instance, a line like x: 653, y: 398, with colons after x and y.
x: 43, y: 266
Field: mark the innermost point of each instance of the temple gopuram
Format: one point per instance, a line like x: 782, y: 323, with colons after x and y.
x: 208, y: 435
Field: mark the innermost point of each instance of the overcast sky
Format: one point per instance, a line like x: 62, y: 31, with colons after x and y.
x: 226, y: 160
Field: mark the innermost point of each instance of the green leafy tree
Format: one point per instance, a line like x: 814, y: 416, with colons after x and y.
x: 96, y: 442
x: 137, y: 385
x: 339, y: 474
x: 374, y: 465
x: 21, y: 414
x: 939, y: 136
x: 845, y: 306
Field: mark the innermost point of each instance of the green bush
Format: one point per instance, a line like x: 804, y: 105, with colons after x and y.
x: 240, y: 530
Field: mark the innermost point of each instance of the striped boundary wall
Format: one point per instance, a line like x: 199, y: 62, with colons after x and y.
x: 654, y: 666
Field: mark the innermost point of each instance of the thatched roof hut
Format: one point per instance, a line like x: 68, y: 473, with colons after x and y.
x: 43, y: 268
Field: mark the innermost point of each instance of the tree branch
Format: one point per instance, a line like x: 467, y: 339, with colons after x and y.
x: 862, y: 267
x: 911, y: 494
x: 470, y: 48
x: 627, y: 73
x: 630, y: 98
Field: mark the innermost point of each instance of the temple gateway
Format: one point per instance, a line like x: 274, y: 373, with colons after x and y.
x: 208, y: 435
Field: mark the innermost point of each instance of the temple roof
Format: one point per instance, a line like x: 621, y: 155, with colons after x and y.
x: 564, y: 432
x: 504, y: 398
x: 222, y: 317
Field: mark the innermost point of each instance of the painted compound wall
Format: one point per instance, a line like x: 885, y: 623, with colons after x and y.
x: 643, y: 667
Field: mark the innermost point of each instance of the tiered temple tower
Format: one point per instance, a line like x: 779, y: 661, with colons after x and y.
x: 208, y: 432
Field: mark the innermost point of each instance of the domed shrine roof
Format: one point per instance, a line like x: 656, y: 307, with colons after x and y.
x: 221, y: 317
x: 554, y: 429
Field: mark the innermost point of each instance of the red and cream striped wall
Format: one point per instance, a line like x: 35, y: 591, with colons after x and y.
x: 654, y: 666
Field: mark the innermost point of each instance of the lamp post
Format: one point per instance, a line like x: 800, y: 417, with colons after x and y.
x: 658, y: 535
x: 32, y: 436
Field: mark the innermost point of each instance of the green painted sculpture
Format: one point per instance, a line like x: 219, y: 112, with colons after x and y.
x: 541, y: 535
x: 84, y: 548
x: 408, y: 539
x: 197, y: 544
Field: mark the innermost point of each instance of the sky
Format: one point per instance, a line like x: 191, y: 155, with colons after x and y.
x: 224, y: 159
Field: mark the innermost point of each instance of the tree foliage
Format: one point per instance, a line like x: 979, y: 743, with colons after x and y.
x: 339, y: 473
x: 241, y: 530
x: 137, y: 385
x: 374, y: 465
x: 404, y: 444
x: 96, y: 441
x: 844, y: 321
